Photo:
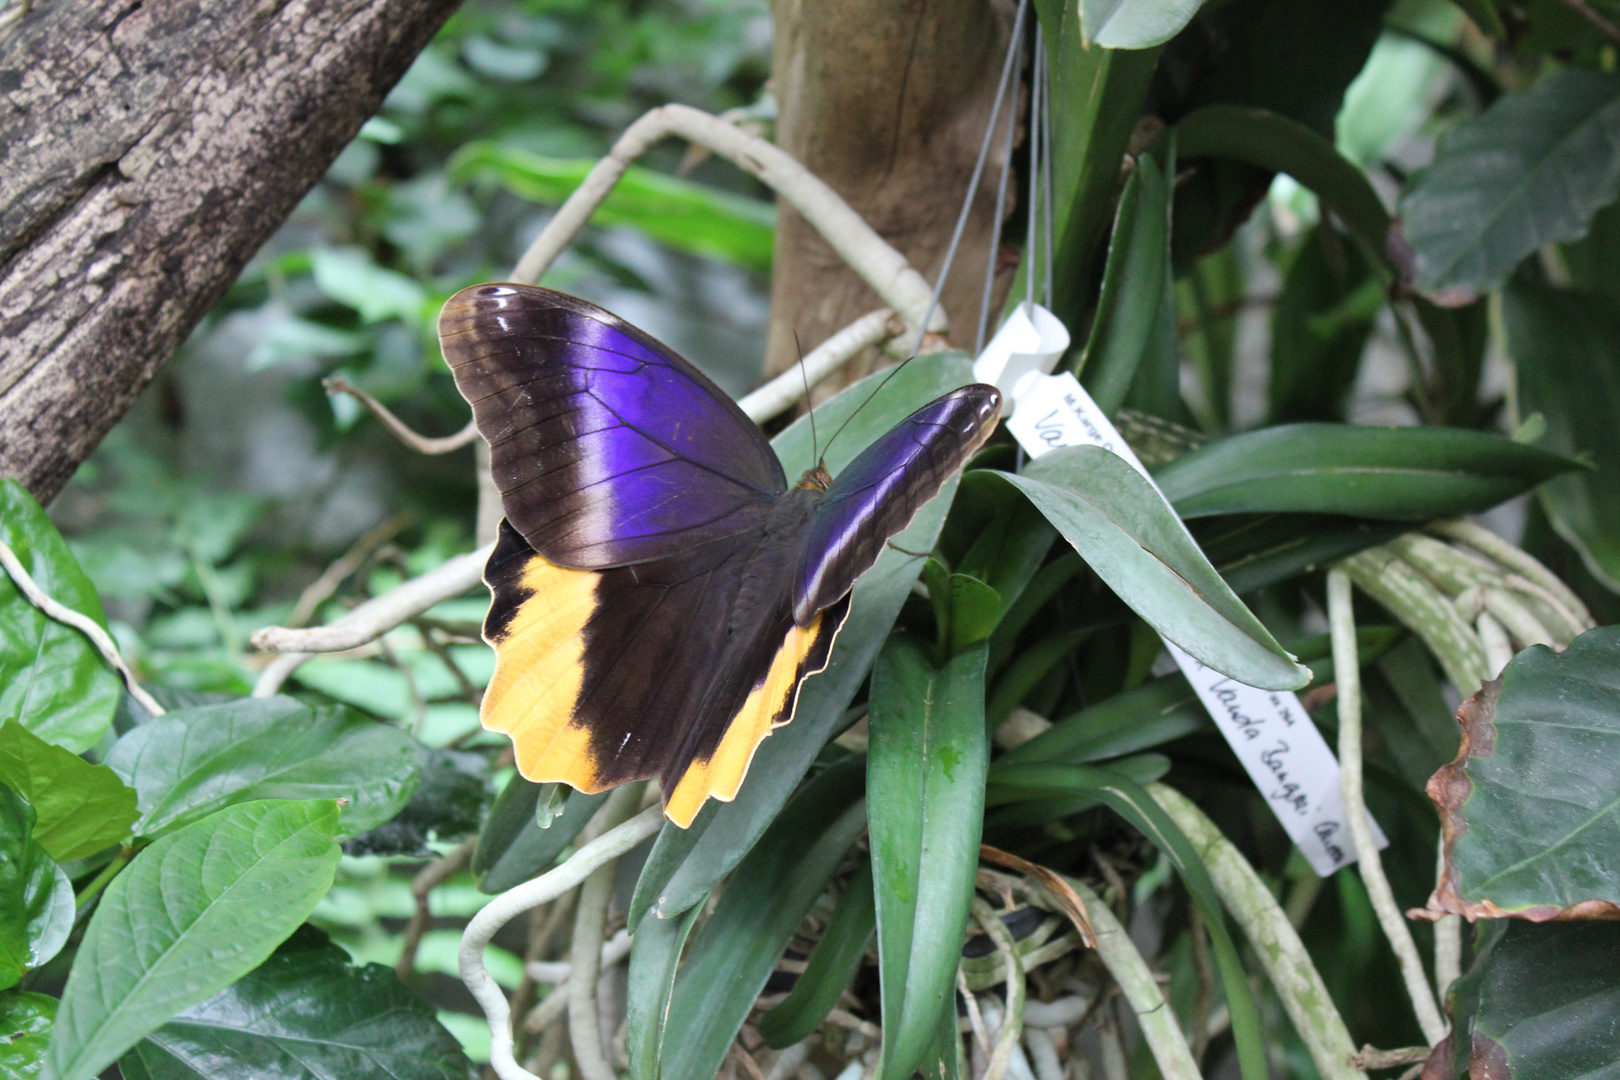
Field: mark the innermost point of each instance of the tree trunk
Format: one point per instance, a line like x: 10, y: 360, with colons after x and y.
x: 887, y: 101
x: 148, y: 148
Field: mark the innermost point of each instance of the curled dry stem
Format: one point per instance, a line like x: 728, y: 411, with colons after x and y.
x: 422, y: 444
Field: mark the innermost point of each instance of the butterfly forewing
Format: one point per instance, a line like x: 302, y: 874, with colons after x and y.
x: 607, y: 448
x: 877, y: 495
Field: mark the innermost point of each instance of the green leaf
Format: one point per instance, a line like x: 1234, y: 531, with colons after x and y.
x: 1566, y: 359
x: 771, y: 892
x: 348, y: 276
x: 1278, y: 144
x: 1399, y: 474
x: 1132, y: 288
x: 189, y: 763
x: 25, y: 1032
x: 190, y: 915
x: 1118, y: 524
x: 1539, y: 1003
x: 52, y: 679
x: 451, y: 791
x: 925, y: 782
x: 1320, y: 327
x: 1532, y: 170
x: 682, y: 214
x: 1126, y: 723
x: 535, y: 848
x: 1135, y: 24
x: 654, y: 955
x: 82, y: 807
x: 831, y: 968
x: 36, y: 897
x: 1528, y: 807
x: 1006, y: 539
x: 686, y: 864
x: 304, y: 1014
x: 1255, y: 550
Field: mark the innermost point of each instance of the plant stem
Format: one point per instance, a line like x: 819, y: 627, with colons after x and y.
x: 584, y: 1027
x: 1141, y: 990
x: 499, y: 911
x: 99, y: 882
x: 1414, y: 600
x: 1298, y: 984
x: 1347, y: 675
x: 1012, y: 1024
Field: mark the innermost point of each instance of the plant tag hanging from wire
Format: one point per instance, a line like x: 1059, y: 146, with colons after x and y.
x: 1269, y: 730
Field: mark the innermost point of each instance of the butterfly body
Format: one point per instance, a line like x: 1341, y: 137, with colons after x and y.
x: 659, y: 590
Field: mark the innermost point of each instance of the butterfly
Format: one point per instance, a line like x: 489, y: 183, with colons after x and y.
x: 659, y: 591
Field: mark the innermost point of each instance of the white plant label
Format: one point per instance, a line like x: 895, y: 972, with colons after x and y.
x: 1269, y: 730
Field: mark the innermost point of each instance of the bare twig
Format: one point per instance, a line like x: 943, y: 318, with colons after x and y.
x: 83, y: 623
x: 442, y: 652
x: 430, y: 877
x: 377, y: 616
x: 846, y: 232
x: 1347, y: 673
x: 1012, y: 1024
x: 347, y: 563
x: 1370, y: 1057
x: 499, y: 911
x: 422, y: 444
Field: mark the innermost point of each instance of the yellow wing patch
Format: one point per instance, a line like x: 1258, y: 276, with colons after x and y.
x: 721, y: 775
x: 539, y: 669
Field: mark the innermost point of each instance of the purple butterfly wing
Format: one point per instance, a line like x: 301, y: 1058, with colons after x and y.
x: 608, y: 448
x: 876, y: 496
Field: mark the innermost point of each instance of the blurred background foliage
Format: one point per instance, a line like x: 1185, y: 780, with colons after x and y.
x: 219, y: 503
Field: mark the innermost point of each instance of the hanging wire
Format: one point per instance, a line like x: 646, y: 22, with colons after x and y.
x: 1007, y: 71
x: 1035, y: 106
x: 1044, y: 74
x: 1001, y: 202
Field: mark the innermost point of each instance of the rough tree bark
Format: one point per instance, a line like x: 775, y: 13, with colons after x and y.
x: 147, y: 149
x: 887, y: 101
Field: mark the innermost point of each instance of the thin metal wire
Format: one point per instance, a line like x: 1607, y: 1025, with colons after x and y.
x: 1034, y: 203
x: 1013, y: 51
x: 1043, y: 72
x: 1001, y: 202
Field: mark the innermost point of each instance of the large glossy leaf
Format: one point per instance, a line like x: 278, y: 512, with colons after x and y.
x: 189, y: 763
x: 1118, y: 524
x: 685, y: 215
x: 191, y: 914
x: 1566, y: 358
x: 82, y: 807
x: 304, y: 1014
x: 1132, y: 288
x: 771, y: 892
x: 52, y: 680
x: 25, y: 1033
x: 36, y: 897
x: 1539, y: 1003
x: 1135, y: 24
x: 1401, y: 474
x: 1532, y: 170
x: 1528, y: 808
x: 925, y: 782
x: 686, y: 864
x: 832, y: 965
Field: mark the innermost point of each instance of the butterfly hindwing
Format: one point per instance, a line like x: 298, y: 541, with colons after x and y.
x: 607, y: 447
x: 607, y: 676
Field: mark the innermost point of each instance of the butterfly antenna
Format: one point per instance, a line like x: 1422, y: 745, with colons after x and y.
x: 809, y: 405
